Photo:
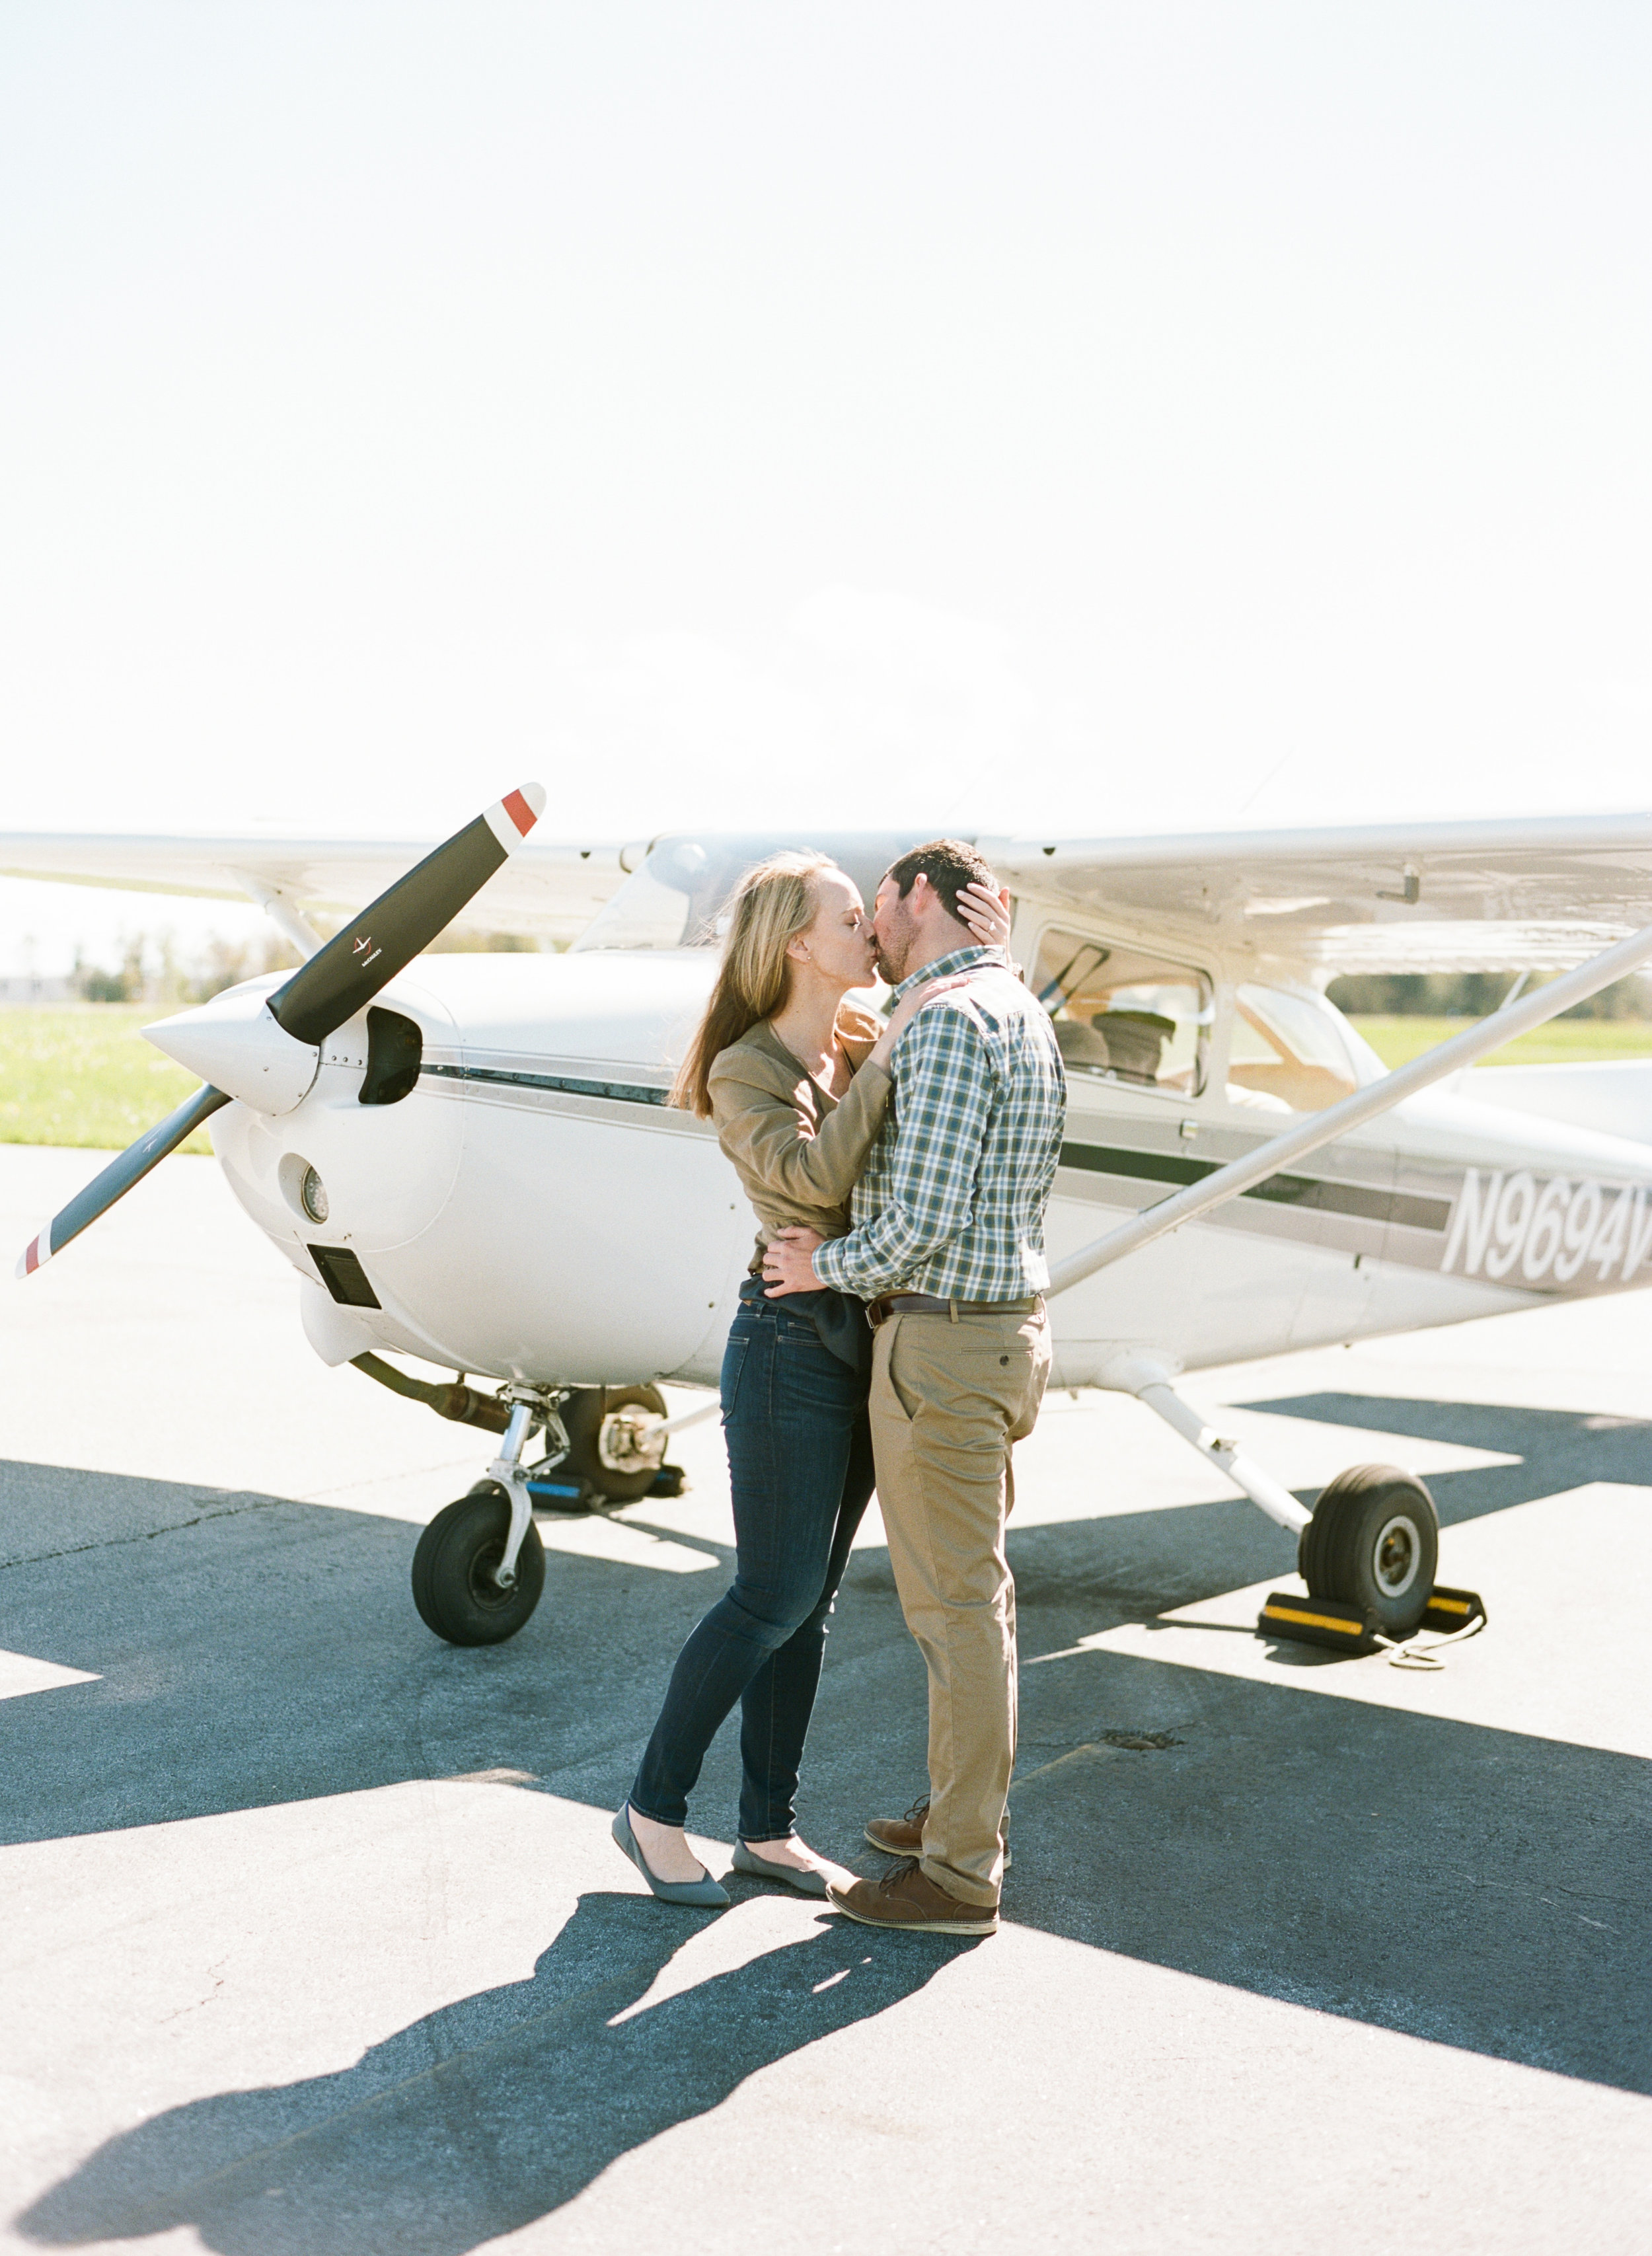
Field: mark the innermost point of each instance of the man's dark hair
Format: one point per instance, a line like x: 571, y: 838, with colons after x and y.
x: 949, y: 865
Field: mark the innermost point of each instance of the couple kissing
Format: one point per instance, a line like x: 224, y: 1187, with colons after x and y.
x: 890, y: 1334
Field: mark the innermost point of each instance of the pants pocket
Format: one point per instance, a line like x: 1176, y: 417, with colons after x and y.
x: 901, y: 1401
x: 733, y: 1364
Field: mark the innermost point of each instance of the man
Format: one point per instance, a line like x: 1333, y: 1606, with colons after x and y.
x: 946, y: 1247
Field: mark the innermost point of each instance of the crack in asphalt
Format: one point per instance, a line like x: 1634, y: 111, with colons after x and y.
x: 146, y: 1536
x: 1581, y: 1895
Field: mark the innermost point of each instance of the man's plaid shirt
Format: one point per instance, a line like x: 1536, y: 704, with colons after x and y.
x: 952, y: 1200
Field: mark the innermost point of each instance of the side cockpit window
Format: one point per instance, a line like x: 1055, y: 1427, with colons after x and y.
x: 1124, y: 1015
x: 1289, y: 1052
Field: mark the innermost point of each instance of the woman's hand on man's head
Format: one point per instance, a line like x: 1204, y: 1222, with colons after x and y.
x: 986, y: 913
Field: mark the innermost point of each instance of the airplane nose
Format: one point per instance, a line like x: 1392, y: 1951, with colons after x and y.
x: 233, y: 1043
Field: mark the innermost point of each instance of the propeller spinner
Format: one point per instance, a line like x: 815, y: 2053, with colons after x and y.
x: 270, y: 1050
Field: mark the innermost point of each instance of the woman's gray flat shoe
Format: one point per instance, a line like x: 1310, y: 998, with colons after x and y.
x: 699, y: 1895
x: 793, y: 1876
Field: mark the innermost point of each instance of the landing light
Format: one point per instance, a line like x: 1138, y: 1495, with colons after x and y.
x: 313, y: 1195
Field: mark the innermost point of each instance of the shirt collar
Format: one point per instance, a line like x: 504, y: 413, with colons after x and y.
x: 962, y: 959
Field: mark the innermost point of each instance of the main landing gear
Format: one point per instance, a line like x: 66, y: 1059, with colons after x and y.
x: 1373, y: 1543
x: 479, y: 1568
x: 1370, y: 1546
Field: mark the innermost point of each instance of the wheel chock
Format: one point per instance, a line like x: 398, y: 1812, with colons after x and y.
x: 1316, y: 1621
x: 555, y: 1492
x: 1344, y: 1628
x: 1452, y: 1610
x: 552, y: 1493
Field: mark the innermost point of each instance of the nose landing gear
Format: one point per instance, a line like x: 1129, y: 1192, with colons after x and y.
x: 456, y: 1571
x: 479, y: 1568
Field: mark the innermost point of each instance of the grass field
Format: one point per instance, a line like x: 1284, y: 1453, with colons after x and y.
x: 83, y: 1074
x: 1563, y: 1041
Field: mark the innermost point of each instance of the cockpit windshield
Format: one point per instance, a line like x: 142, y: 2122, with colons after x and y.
x: 677, y: 897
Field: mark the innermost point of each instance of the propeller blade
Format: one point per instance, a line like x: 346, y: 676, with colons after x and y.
x: 337, y: 982
x: 118, y: 1177
x: 343, y: 977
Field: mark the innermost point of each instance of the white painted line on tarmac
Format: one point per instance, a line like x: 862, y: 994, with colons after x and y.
x: 20, y: 1675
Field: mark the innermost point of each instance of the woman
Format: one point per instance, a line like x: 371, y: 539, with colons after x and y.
x: 797, y: 1081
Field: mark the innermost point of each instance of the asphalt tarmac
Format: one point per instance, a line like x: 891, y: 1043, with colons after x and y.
x: 314, y: 1943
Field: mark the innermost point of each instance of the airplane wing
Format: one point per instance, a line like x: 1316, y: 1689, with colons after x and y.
x: 547, y: 891
x: 1534, y: 894
x: 1538, y: 895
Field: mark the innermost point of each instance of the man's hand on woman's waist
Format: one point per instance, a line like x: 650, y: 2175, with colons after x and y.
x: 788, y: 1265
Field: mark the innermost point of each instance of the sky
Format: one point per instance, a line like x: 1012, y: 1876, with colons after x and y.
x: 1132, y: 415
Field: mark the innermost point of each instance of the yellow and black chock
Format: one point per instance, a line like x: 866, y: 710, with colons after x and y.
x: 1451, y: 1609
x: 1344, y: 1628
x: 1317, y: 1621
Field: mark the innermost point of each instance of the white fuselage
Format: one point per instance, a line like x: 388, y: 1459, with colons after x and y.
x: 533, y: 1210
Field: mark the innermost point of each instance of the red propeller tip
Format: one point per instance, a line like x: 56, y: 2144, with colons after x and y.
x: 516, y: 814
x: 510, y: 819
x: 35, y: 1254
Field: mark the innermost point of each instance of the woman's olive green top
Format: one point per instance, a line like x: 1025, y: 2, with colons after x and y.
x: 798, y: 1150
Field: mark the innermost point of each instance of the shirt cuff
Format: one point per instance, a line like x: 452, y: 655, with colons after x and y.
x: 824, y: 1266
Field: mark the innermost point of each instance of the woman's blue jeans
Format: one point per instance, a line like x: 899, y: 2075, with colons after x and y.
x: 800, y: 1467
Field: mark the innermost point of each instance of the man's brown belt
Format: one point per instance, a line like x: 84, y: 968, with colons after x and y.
x: 926, y: 1304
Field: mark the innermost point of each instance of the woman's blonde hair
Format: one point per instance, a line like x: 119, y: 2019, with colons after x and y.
x: 773, y: 903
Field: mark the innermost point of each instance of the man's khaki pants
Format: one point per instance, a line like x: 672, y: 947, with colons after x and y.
x: 948, y: 1396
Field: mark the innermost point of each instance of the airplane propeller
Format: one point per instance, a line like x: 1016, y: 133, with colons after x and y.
x: 339, y: 980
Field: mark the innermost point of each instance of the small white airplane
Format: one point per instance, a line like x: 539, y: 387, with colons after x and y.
x: 470, y: 1161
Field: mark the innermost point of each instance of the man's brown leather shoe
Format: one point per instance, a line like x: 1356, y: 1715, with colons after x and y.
x: 906, y: 1896
x: 900, y: 1837
x: 903, y: 1837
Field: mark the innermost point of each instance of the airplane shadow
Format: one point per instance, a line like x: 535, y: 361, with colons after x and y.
x: 1558, y: 1450
x: 1485, y: 1889
x: 514, y: 2100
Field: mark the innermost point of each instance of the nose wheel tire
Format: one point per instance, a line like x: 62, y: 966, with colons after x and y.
x: 1373, y: 1542
x: 453, y: 1568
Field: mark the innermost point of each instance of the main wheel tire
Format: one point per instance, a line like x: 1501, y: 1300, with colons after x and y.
x: 584, y: 1416
x: 453, y: 1583
x: 1373, y: 1541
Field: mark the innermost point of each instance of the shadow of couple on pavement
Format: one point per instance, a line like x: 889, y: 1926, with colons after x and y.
x: 482, y: 2116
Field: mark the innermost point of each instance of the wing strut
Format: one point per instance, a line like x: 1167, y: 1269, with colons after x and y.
x: 1368, y: 1103
x: 283, y: 912
x: 1151, y: 1383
